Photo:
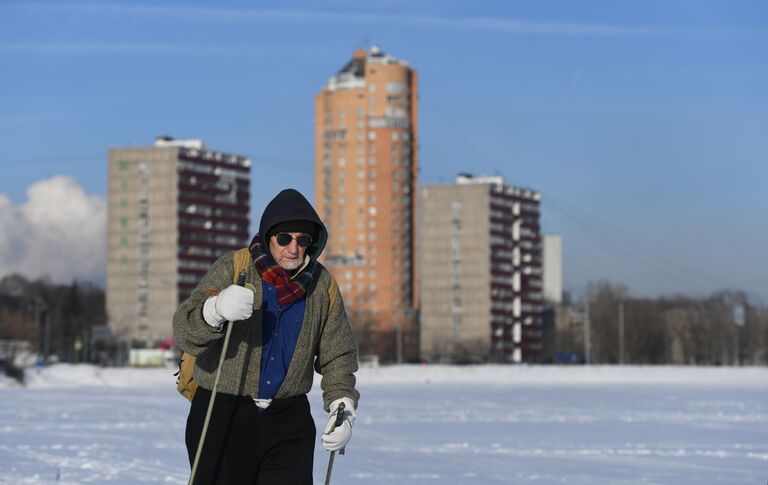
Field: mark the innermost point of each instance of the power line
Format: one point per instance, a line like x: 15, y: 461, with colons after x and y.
x: 635, y: 249
x: 616, y: 254
x: 490, y: 163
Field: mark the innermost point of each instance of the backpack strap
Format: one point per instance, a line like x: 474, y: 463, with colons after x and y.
x: 333, y: 294
x: 242, y: 262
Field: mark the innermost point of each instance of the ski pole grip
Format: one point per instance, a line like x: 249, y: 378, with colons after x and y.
x: 339, y: 415
x: 241, y: 279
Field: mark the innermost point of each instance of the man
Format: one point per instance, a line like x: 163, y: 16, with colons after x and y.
x: 287, y: 321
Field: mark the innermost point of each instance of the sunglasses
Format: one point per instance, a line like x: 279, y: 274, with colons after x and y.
x: 284, y: 239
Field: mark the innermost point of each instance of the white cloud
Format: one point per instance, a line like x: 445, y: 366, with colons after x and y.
x: 59, y: 232
x: 292, y: 16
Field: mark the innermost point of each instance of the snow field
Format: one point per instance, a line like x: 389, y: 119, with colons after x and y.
x: 419, y: 425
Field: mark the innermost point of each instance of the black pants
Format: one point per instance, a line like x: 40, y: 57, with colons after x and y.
x: 248, y: 446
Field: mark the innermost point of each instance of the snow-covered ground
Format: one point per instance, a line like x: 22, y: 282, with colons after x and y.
x: 418, y: 425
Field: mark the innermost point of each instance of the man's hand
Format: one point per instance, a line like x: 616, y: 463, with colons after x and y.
x: 234, y: 303
x: 337, y: 438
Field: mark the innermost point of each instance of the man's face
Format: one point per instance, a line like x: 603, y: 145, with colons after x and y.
x: 291, y: 256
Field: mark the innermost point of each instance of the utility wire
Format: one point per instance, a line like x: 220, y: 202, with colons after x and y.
x: 572, y: 210
x: 624, y: 253
x: 493, y: 166
x: 611, y: 251
x: 460, y: 133
x: 618, y: 251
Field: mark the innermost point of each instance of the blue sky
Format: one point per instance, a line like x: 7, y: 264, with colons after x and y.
x: 643, y: 124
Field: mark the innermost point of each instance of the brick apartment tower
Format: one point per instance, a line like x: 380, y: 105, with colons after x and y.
x: 366, y: 167
x: 481, y: 283
x: 173, y: 209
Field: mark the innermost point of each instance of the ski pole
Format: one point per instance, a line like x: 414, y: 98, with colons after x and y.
x: 227, y: 335
x: 339, y: 421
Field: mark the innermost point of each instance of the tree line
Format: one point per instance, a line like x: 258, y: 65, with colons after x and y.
x: 666, y: 330
x: 54, y: 319
x: 58, y: 320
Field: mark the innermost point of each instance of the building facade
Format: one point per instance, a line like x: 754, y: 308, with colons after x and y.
x: 553, y: 268
x: 481, y: 272
x: 173, y: 209
x: 366, y: 168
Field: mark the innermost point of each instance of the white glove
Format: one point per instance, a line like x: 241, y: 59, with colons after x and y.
x: 234, y: 303
x: 340, y: 436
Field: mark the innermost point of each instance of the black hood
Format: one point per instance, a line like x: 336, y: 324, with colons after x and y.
x: 290, y: 205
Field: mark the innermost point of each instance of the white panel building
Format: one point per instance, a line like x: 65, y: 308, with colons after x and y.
x: 553, y: 268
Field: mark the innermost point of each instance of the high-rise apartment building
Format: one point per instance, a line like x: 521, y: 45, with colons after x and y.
x: 481, y: 272
x: 366, y: 167
x: 173, y: 209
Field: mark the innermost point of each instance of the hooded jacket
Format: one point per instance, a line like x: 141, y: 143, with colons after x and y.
x: 325, y: 342
x: 290, y: 205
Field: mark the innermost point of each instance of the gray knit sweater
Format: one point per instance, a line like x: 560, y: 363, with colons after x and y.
x: 325, y: 342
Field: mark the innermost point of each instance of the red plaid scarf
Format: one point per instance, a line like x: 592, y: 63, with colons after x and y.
x: 288, y: 289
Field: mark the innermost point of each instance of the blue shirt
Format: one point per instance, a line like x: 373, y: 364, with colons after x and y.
x: 280, y: 329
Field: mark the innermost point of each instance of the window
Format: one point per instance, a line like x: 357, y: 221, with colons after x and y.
x: 516, y: 230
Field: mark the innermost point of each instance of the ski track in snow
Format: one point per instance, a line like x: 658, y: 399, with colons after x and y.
x: 418, y: 425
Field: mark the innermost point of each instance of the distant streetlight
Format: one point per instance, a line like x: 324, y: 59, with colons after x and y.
x: 587, y: 342
x: 738, y: 321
